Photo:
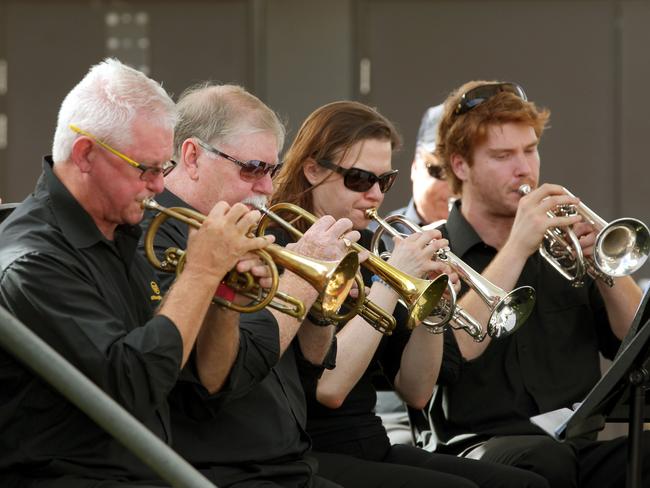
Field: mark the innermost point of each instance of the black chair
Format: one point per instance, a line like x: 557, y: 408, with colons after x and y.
x: 6, y: 209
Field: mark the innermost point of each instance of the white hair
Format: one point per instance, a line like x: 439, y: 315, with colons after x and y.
x: 106, y: 102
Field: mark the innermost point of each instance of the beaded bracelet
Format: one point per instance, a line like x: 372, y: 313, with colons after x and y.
x: 377, y: 279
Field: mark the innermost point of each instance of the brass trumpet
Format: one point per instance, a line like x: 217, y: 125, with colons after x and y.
x: 622, y: 246
x: 333, y: 279
x: 508, y: 311
x: 420, y: 296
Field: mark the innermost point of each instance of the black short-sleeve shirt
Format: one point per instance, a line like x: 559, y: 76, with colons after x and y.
x: 550, y: 362
x: 92, y: 300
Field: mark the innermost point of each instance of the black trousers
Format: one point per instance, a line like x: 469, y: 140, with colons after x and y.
x: 576, y: 463
x: 412, y: 467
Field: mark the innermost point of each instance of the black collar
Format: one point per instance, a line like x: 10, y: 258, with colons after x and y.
x: 169, y: 199
x: 461, y: 233
x: 77, y: 225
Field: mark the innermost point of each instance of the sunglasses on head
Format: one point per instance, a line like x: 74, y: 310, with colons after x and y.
x: 360, y: 180
x: 476, y: 96
x: 251, y: 170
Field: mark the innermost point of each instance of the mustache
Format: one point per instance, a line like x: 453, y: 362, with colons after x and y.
x: 255, y: 201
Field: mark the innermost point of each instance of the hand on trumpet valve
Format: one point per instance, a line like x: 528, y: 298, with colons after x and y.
x: 327, y: 239
x: 536, y: 214
x: 413, y: 254
x: 223, y: 239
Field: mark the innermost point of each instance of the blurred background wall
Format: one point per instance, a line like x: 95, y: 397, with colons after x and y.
x: 586, y: 60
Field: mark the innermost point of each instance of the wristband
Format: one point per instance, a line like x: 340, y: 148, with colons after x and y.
x: 225, y: 292
x: 319, y: 320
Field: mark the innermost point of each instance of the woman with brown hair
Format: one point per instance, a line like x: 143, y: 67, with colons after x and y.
x: 340, y: 164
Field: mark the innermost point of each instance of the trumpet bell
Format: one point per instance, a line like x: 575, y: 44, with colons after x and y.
x: 511, y: 311
x: 424, y: 299
x: 622, y: 247
x: 338, y: 283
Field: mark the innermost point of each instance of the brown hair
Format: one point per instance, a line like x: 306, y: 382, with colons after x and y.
x: 328, y: 133
x: 460, y: 134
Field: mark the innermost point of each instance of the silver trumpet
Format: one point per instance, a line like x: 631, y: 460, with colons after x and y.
x: 622, y: 246
x: 508, y: 311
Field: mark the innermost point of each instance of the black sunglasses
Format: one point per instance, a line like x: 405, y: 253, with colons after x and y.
x: 476, y: 96
x: 360, y: 180
x: 436, y: 171
x: 250, y: 170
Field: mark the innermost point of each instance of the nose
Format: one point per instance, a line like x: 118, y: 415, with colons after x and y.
x: 264, y: 185
x: 156, y: 184
x: 374, y: 194
x: 523, y: 165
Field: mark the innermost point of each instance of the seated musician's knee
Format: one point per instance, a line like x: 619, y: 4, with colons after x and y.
x: 556, y: 462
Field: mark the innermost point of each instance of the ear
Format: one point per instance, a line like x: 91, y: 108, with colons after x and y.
x: 313, y: 172
x: 189, y: 157
x: 80, y: 154
x: 416, y: 169
x: 460, y: 167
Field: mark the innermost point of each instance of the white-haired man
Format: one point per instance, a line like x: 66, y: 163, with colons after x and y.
x: 70, y: 271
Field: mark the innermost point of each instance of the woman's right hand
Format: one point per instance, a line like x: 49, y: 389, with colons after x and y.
x: 415, y: 255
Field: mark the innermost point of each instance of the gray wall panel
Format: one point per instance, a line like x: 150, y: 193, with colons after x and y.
x: 420, y: 50
x: 197, y: 41
x: 43, y: 66
x: 634, y: 160
x: 307, y: 56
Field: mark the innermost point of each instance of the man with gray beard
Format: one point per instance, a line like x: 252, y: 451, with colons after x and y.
x: 243, y: 424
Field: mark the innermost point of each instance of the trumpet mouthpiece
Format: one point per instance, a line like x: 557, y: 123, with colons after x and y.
x: 524, y: 189
x: 149, y: 204
x: 371, y: 213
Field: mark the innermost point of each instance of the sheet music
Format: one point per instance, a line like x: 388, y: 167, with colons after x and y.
x: 555, y: 421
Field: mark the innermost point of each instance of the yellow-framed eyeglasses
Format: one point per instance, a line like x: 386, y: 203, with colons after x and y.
x: 147, y: 173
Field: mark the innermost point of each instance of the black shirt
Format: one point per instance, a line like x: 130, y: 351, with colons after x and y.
x: 92, y: 300
x: 254, y: 427
x: 550, y: 362
x: 340, y: 430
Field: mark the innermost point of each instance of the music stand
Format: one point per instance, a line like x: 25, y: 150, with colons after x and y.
x: 627, y: 379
